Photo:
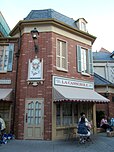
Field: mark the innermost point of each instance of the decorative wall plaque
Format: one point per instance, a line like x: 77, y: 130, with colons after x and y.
x: 35, y: 71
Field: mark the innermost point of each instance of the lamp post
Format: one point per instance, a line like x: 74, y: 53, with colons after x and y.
x: 34, y: 34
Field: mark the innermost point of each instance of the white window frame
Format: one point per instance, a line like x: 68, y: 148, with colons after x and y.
x: 84, y: 60
x: 70, y: 117
x: 2, y: 58
x: 61, y: 57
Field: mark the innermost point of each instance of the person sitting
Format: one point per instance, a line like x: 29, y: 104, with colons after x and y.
x: 83, y: 129
x: 105, y: 125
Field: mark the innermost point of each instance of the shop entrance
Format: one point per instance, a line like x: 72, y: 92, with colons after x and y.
x: 34, y: 123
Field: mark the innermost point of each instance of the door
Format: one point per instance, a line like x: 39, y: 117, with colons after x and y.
x: 34, y: 114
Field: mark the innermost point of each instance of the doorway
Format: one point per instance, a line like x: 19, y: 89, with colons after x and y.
x: 34, y: 123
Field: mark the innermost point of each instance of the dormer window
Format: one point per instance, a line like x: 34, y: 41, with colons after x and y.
x: 81, y: 24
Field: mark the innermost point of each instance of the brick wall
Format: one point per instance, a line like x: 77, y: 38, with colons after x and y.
x: 47, y: 51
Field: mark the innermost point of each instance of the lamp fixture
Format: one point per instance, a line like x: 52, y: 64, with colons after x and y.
x: 34, y: 34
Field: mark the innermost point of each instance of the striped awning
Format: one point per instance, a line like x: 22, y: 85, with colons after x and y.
x: 63, y: 93
x: 5, y: 94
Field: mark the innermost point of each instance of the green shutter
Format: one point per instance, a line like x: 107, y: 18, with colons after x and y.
x: 10, y: 59
x: 90, y: 62
x: 79, y: 58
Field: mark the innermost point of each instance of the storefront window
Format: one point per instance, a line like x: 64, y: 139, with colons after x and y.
x: 66, y: 114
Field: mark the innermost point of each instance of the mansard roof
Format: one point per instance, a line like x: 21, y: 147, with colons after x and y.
x: 50, y: 14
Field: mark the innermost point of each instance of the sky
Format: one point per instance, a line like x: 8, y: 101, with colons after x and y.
x: 98, y: 13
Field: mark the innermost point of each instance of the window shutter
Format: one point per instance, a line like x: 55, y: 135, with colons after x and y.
x: 79, y: 58
x: 90, y: 61
x: 10, y: 59
x: 58, y: 54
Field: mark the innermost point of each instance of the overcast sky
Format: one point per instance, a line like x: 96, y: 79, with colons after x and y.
x: 98, y: 13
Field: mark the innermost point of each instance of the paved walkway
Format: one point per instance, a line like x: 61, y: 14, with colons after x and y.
x: 101, y: 143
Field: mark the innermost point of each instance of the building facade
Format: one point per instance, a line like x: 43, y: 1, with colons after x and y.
x: 54, y: 75
x: 103, y: 63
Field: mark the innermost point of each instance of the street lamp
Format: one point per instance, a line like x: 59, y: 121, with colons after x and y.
x: 35, y: 34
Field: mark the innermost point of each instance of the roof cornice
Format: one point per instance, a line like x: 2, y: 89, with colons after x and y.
x: 54, y: 22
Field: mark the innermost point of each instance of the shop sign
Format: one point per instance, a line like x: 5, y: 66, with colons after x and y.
x: 61, y: 81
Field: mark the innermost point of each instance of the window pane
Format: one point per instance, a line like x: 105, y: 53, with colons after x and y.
x: 37, y: 112
x: 58, y: 61
x: 30, y: 113
x: 75, y: 108
x: 58, y: 47
x: 67, y: 114
x: 64, y: 63
x: 58, y: 118
x: 83, y: 26
x: 63, y: 49
x: 1, y: 57
x: 4, y: 53
x: 83, y: 60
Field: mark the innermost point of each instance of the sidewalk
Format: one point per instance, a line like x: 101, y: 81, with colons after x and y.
x: 101, y: 143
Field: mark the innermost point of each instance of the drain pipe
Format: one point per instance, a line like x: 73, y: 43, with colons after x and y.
x: 17, y: 54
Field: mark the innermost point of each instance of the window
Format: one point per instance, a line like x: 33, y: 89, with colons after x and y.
x: 6, y: 57
x: 66, y: 114
x: 61, y: 55
x: 84, y: 60
x: 83, y: 26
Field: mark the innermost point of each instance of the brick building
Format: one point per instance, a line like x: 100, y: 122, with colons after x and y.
x: 52, y: 75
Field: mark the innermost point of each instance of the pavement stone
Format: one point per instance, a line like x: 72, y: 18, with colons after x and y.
x: 100, y: 143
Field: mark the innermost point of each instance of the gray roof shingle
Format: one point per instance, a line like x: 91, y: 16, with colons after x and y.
x: 103, y: 56
x: 50, y: 14
x: 98, y: 80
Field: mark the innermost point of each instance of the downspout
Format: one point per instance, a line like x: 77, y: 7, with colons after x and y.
x: 17, y: 54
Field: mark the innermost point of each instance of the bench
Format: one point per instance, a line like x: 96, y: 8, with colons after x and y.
x: 99, y: 130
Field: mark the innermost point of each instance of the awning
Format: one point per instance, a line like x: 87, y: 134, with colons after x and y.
x: 5, y: 94
x: 63, y: 93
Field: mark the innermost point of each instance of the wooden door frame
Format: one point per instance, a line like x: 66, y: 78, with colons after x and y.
x: 42, y: 111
